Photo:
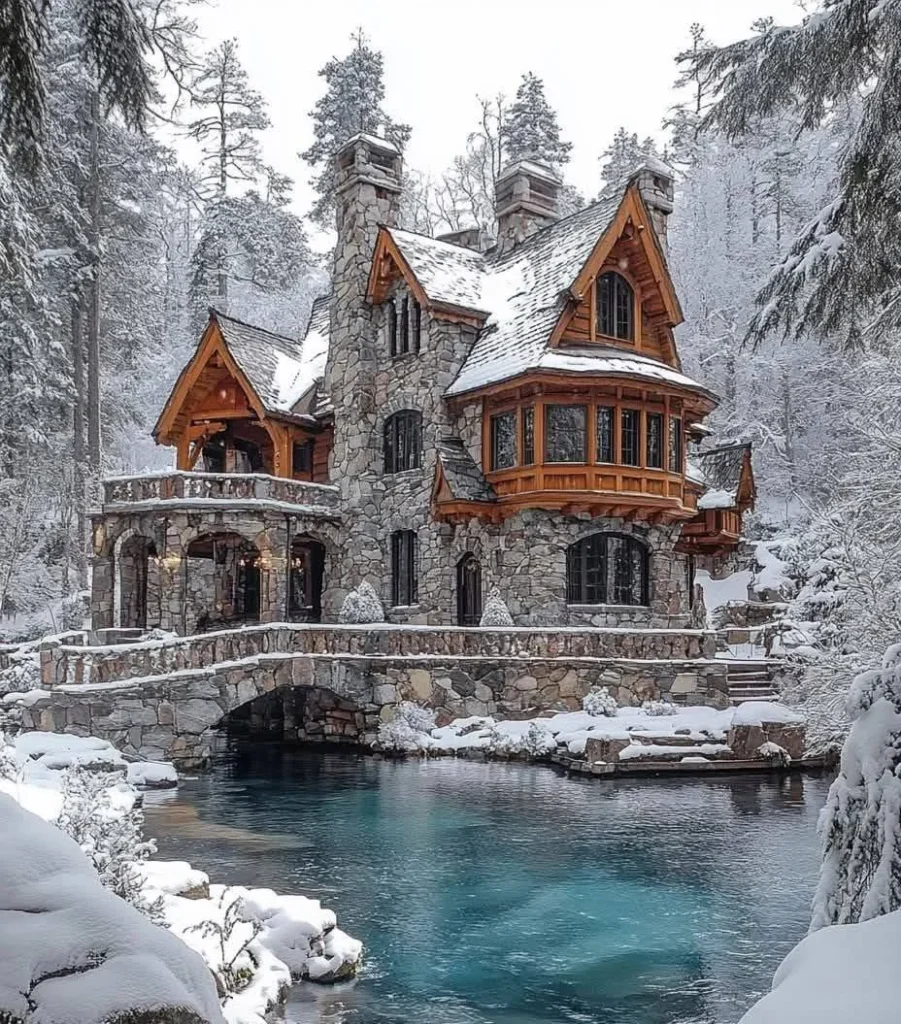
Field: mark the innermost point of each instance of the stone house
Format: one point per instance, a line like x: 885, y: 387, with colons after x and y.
x: 455, y: 419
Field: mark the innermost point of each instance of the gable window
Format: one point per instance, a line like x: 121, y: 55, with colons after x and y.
x: 403, y: 441
x: 615, y: 306
x: 565, y: 430
x: 654, y: 442
x: 503, y: 440
x: 404, y: 584
x: 675, y: 445
x: 631, y: 443
x: 607, y: 568
x: 404, y: 326
x: 605, y: 434
x: 528, y: 435
x: 302, y: 458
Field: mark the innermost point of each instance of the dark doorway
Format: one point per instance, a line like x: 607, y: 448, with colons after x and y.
x: 469, y: 591
x: 223, y: 581
x: 305, y: 580
x: 134, y: 572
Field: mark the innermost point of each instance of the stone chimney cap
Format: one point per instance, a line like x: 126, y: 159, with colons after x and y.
x: 655, y: 167
x: 533, y: 168
x: 372, y: 140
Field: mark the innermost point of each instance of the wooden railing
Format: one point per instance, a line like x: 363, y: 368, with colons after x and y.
x: 216, y: 486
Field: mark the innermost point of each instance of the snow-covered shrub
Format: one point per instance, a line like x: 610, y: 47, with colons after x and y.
x: 860, y: 877
x: 111, y: 836
x: 659, y: 708
x: 774, y: 753
x: 503, y: 744
x: 410, y: 730
x: 538, y: 740
x: 234, y: 963
x: 361, y: 605
x: 496, y: 612
x: 23, y: 672
x: 9, y: 766
x: 599, y: 702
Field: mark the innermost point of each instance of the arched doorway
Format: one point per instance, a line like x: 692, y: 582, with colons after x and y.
x: 223, y: 582
x: 305, y: 580
x: 136, y: 560
x: 469, y: 591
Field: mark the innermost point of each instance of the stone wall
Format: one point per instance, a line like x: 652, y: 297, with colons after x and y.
x: 177, y: 716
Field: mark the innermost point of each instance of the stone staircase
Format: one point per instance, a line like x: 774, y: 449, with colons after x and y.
x: 750, y: 680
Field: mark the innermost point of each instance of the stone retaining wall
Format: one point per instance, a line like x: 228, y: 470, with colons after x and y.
x: 176, y: 716
x: 62, y: 664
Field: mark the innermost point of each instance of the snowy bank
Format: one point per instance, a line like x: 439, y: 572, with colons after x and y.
x: 254, y: 941
x: 73, y: 953
x: 845, y: 973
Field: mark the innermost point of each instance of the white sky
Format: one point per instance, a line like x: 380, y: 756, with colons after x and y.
x: 604, y: 64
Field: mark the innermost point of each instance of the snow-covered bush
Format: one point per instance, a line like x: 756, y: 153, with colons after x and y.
x: 361, y: 605
x: 538, y: 740
x: 599, y: 702
x: 496, y: 612
x: 233, y: 936
x: 775, y: 754
x: 111, y: 836
x: 410, y: 730
x: 659, y: 708
x: 23, y: 672
x: 860, y: 877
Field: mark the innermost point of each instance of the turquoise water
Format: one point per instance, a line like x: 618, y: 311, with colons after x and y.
x: 504, y: 894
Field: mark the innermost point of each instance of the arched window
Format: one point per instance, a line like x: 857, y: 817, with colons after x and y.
x: 616, y: 307
x: 403, y: 441
x: 469, y: 591
x: 404, y: 582
x: 607, y: 568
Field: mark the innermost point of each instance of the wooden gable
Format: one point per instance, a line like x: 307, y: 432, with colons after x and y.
x: 629, y: 247
x: 210, y: 387
x: 388, y: 267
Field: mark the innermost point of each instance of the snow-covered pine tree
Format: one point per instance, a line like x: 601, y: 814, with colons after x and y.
x: 836, y: 68
x: 496, y: 612
x: 860, y: 877
x: 530, y: 130
x: 355, y: 91
x: 624, y: 154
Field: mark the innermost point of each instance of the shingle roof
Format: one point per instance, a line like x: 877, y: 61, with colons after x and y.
x: 280, y: 369
x: 721, y: 469
x: 463, y: 476
x: 448, y: 273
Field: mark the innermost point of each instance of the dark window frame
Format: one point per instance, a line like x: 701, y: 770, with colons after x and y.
x: 508, y: 416
x: 608, y: 569
x: 304, y: 449
x: 630, y: 438
x: 607, y: 436
x: 527, y: 435
x: 403, y: 441
x: 615, y: 307
x: 676, y: 445
x: 653, y: 440
x: 404, y: 324
x: 404, y: 569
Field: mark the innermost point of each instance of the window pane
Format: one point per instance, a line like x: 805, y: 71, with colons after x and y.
x: 605, y: 434
x: 403, y: 441
x: 403, y: 568
x: 391, y: 326
x: 564, y: 433
x: 416, y: 326
x: 655, y: 440
x: 503, y: 440
x: 675, y: 444
x: 404, y: 346
x: 631, y: 438
x: 528, y: 435
x: 615, y: 306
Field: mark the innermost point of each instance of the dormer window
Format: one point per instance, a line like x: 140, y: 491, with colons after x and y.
x: 404, y: 326
x: 616, y: 307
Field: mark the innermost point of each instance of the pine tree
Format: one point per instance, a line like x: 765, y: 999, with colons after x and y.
x: 624, y: 154
x: 115, y: 41
x: 352, y: 103
x: 837, y: 67
x: 530, y: 130
x: 685, y: 120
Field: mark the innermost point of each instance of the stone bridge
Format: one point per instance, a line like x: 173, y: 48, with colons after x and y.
x: 170, y: 699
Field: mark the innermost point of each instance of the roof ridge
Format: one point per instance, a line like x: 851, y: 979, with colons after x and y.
x: 219, y: 315
x: 732, y: 446
x: 440, y: 241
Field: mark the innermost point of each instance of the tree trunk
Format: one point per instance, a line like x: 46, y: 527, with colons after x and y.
x: 93, y: 332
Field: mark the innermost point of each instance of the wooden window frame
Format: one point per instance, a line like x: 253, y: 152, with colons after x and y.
x: 582, y: 403
x: 595, y: 334
x: 492, y: 439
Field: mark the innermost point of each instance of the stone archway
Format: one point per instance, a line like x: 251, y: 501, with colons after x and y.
x: 136, y: 582
x: 302, y: 714
x: 223, y: 582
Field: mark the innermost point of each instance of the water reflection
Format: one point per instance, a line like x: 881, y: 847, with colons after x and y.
x: 502, y: 894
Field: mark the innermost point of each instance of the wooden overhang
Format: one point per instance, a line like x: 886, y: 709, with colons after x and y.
x: 716, y: 531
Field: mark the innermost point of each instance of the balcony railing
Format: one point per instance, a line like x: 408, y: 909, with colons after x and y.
x: 237, y: 487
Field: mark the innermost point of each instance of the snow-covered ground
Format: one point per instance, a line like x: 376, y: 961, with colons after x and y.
x: 568, y: 732
x: 255, y: 941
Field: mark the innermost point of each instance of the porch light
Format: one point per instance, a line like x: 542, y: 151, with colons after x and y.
x: 223, y: 392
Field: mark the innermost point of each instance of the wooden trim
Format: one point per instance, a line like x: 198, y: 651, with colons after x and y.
x: 386, y: 248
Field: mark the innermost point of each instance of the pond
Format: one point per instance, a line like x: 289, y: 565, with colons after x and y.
x: 507, y: 894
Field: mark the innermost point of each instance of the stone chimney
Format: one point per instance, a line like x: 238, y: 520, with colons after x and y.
x: 368, y: 174
x: 526, y: 198
x: 655, y: 180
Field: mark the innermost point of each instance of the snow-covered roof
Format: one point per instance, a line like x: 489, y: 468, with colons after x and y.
x: 721, y: 469
x: 271, y: 362
x: 448, y: 273
x: 612, y: 362
x: 463, y: 476
x: 314, y: 351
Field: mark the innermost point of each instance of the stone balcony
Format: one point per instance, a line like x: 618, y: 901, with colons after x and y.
x: 216, y: 490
